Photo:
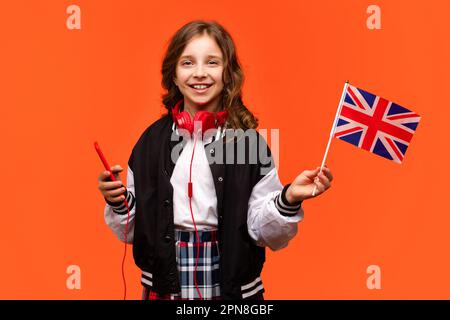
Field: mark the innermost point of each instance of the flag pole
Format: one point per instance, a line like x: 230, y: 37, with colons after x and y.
x: 333, y: 129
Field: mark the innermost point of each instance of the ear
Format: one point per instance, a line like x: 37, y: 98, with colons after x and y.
x: 175, y: 81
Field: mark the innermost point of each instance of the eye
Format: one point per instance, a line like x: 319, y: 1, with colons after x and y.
x: 186, y: 63
x: 213, y: 62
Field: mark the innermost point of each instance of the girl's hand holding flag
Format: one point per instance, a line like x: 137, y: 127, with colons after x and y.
x: 303, y: 185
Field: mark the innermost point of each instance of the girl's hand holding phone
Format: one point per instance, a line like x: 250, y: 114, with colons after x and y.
x: 113, y: 191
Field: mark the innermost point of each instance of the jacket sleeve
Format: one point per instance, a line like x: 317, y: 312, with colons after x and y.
x: 116, y: 215
x: 271, y: 220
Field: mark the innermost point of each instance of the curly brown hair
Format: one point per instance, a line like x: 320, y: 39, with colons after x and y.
x: 239, y: 117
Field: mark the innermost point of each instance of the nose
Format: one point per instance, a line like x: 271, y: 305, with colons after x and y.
x: 200, y: 71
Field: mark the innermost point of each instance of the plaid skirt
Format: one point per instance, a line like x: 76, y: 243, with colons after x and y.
x: 207, y: 269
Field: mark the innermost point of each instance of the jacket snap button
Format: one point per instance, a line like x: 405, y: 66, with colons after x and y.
x: 220, y: 179
x: 167, y: 238
x: 166, y: 202
x: 211, y: 151
x: 165, y: 172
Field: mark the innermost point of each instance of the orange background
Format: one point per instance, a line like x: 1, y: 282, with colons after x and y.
x: 63, y: 89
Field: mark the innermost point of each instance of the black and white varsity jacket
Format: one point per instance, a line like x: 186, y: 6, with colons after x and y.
x: 252, y: 210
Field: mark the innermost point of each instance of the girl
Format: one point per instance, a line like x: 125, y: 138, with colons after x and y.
x: 200, y: 220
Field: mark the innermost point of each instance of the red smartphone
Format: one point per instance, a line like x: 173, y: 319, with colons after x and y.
x: 103, y: 159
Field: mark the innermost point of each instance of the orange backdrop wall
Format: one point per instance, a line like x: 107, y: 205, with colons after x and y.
x: 62, y: 89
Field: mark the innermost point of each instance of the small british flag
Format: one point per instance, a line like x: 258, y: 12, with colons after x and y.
x: 375, y: 124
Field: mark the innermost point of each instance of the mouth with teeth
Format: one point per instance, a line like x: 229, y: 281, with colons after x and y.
x: 200, y: 88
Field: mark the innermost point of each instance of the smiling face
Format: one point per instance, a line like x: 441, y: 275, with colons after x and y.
x: 199, y: 74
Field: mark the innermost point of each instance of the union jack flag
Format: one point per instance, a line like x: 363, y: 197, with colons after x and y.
x: 375, y: 124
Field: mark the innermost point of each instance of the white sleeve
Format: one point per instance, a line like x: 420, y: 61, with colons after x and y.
x: 116, y: 216
x: 270, y: 221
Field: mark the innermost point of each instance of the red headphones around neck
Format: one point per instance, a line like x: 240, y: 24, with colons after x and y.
x: 209, y: 120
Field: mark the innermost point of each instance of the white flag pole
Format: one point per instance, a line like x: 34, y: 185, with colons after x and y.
x: 332, y: 131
